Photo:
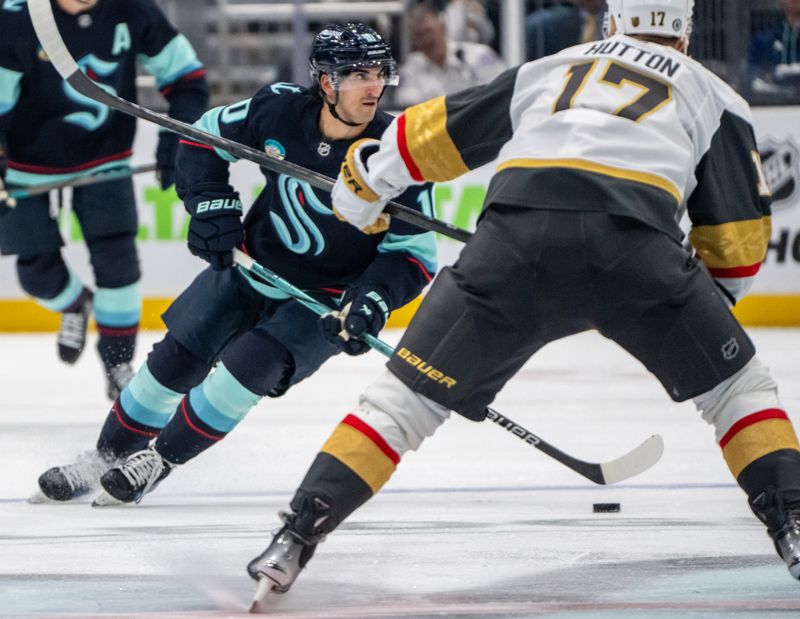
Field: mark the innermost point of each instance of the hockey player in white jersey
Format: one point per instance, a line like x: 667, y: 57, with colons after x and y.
x: 599, y: 151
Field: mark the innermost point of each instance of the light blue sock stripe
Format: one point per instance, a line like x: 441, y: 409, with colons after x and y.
x: 147, y: 401
x: 66, y: 297
x: 221, y: 401
x: 118, y: 307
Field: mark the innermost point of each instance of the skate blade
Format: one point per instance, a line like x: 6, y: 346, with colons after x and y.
x: 104, y: 499
x: 263, y: 592
x: 39, y: 497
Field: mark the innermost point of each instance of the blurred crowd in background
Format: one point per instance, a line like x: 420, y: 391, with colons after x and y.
x: 446, y: 45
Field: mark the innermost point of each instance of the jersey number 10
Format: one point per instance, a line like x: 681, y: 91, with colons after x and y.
x: 654, y: 93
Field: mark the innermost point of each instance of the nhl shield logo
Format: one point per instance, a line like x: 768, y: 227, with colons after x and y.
x: 730, y: 349
x: 635, y: 22
x: 781, y: 163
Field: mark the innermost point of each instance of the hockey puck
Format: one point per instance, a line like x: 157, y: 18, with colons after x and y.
x: 605, y: 508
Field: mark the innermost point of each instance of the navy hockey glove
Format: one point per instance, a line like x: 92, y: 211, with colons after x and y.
x: 165, y: 158
x: 215, y: 228
x: 364, y: 311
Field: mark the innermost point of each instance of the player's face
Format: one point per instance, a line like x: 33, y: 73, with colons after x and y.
x: 73, y: 7
x: 359, y: 92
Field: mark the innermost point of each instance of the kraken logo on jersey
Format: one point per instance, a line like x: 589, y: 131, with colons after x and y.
x: 296, y: 196
x: 781, y: 164
x: 94, y: 68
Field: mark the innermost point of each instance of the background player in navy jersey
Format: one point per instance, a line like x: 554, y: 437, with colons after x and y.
x: 263, y: 342
x: 49, y: 133
x: 598, y: 150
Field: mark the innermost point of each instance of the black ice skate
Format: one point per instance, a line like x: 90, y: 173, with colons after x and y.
x: 783, y: 525
x: 116, y: 379
x: 130, y: 481
x: 70, y: 481
x: 72, y: 332
x: 291, y: 549
x: 279, y: 565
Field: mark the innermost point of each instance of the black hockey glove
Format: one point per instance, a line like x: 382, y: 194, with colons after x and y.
x: 216, y: 226
x: 165, y: 158
x: 364, y: 310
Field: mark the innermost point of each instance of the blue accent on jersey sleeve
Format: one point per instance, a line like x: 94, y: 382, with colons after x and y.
x: 9, y: 89
x: 209, y: 122
x: 175, y: 60
x: 420, y: 246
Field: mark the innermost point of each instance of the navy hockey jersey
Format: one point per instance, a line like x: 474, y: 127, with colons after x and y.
x: 51, y: 131
x: 291, y: 228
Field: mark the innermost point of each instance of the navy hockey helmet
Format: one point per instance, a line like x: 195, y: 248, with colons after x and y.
x: 339, y: 48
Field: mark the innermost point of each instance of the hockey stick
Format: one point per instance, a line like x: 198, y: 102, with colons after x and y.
x: 628, y: 465
x: 89, y: 179
x: 47, y: 31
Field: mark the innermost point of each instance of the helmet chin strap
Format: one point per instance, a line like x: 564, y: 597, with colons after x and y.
x: 335, y: 114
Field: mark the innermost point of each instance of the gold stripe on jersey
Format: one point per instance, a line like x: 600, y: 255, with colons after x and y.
x: 732, y: 244
x: 591, y: 166
x: 356, y: 451
x: 756, y: 441
x: 429, y: 143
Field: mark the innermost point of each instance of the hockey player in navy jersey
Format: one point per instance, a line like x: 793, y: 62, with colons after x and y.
x: 261, y: 341
x: 599, y: 149
x: 51, y: 133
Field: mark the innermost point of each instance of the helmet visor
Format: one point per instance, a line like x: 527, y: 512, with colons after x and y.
x: 365, y: 73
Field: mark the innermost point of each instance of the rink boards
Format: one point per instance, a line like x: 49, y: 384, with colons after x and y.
x: 168, y: 267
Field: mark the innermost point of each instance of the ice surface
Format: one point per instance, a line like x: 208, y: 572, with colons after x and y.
x: 476, y: 524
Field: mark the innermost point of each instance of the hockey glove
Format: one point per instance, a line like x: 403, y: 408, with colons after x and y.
x: 6, y: 203
x: 165, y: 158
x: 364, y: 311
x: 215, y: 228
x: 356, y: 198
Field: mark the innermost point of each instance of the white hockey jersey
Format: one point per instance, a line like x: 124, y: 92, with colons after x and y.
x: 621, y: 125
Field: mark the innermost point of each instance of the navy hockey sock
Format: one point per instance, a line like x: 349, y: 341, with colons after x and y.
x: 122, y: 435
x: 116, y: 344
x: 186, y: 435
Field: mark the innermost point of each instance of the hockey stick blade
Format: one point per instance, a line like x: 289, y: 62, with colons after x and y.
x: 47, y: 31
x: 626, y: 466
x: 90, y: 179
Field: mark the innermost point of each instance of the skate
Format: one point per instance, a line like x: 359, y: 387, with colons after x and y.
x: 783, y: 525
x: 116, y: 379
x: 70, y: 481
x: 130, y: 481
x: 279, y: 565
x: 72, y: 332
